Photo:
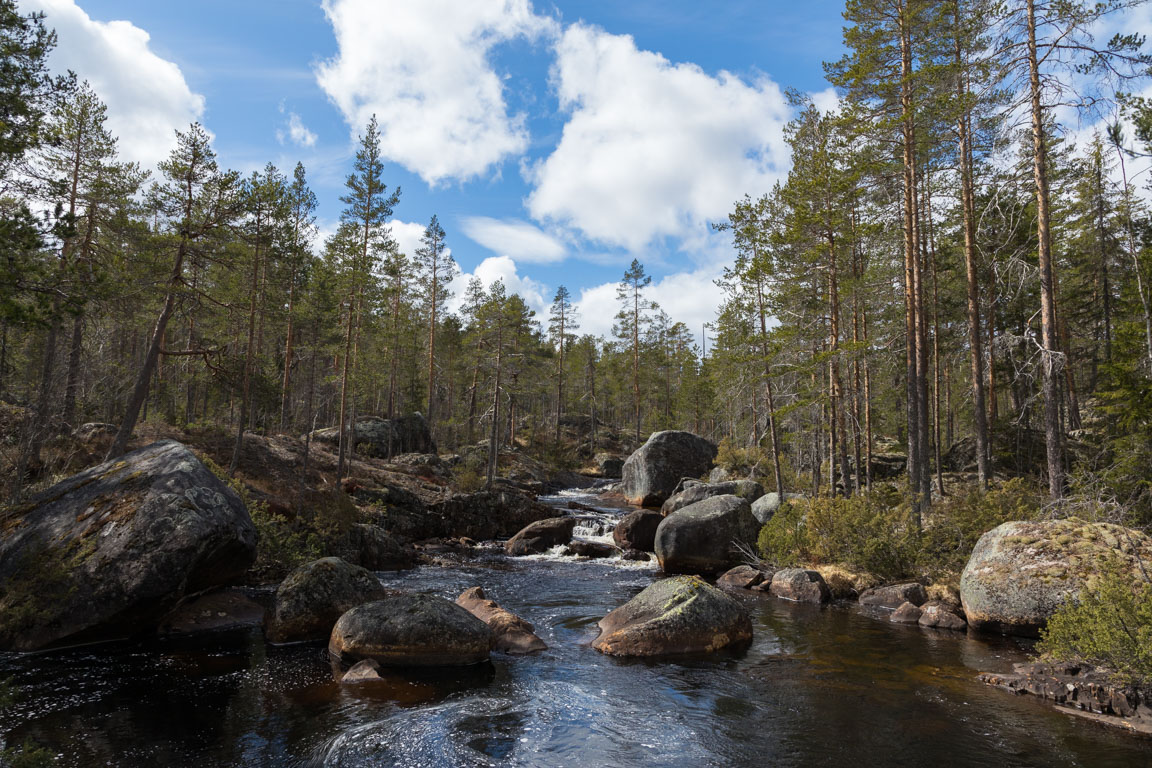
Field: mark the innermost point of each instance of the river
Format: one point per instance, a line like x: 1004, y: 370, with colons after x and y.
x: 820, y: 685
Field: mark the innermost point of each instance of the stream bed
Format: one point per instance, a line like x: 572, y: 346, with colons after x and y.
x: 820, y: 685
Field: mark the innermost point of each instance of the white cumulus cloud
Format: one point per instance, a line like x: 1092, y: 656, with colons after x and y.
x: 147, y: 96
x: 297, y: 132
x: 652, y: 149
x: 493, y: 268
x: 522, y: 241
x: 689, y: 297
x: 423, y: 68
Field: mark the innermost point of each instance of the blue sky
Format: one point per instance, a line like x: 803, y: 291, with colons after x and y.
x: 555, y: 141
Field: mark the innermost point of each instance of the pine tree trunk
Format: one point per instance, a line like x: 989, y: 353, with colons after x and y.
x: 1053, y: 438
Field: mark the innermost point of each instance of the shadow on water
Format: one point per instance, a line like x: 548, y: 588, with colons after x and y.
x: 817, y: 686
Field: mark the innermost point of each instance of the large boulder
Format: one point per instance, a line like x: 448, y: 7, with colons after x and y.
x: 1021, y: 572
x: 407, y: 630
x: 800, y: 585
x: 108, y: 552
x: 609, y: 465
x: 678, y: 615
x: 310, y: 600
x: 637, y: 530
x: 749, y: 490
x: 541, y: 536
x: 766, y: 507
x: 374, y: 548
x: 373, y: 435
x: 510, y: 633
x: 702, y: 538
x: 651, y: 474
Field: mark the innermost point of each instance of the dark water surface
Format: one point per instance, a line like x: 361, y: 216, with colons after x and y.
x: 819, y: 686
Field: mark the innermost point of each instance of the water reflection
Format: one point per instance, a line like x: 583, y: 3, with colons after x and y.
x: 817, y: 686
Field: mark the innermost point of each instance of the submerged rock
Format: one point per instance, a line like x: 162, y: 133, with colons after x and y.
x: 651, y: 474
x: 678, y: 615
x: 312, y: 597
x: 220, y: 611
x: 541, y: 536
x: 893, y: 596
x: 362, y: 671
x: 510, y: 633
x: 108, y: 552
x: 749, y: 490
x: 637, y: 530
x: 701, y: 538
x: 407, y: 630
x: 800, y: 585
x: 1021, y: 572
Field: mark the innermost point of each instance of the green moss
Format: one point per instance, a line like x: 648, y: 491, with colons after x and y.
x: 44, y: 581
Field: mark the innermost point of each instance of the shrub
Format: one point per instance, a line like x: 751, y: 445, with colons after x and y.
x: 27, y: 755
x: 956, y: 523
x: 870, y: 533
x: 1109, y: 627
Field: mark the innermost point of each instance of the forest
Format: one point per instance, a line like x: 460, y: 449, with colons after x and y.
x: 940, y: 320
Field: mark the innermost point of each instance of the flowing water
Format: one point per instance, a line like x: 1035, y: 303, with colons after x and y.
x: 820, y: 685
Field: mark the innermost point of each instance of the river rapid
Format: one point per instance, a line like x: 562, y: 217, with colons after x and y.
x: 820, y: 685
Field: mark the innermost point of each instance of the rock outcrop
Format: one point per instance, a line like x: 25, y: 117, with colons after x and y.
x: 108, y: 552
x: 800, y: 585
x: 1021, y: 572
x: 479, y: 516
x: 373, y: 435
x: 510, y: 633
x: 310, y: 600
x: 701, y: 538
x: 408, y: 630
x: 651, y: 474
x: 609, y: 465
x: 749, y: 490
x: 541, y: 536
x: 1082, y: 689
x: 637, y: 530
x: 678, y: 615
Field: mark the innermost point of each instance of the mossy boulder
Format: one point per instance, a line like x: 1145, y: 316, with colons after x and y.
x: 108, y: 552
x: 678, y: 615
x: 1021, y: 572
x: 702, y: 538
x: 312, y: 597
x: 651, y: 474
x: 749, y: 490
x: 409, y: 630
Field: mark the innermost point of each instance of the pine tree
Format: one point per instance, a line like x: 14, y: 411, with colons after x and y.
x: 631, y: 320
x: 435, y: 269
x: 564, y: 321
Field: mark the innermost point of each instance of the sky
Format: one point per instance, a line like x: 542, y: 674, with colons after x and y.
x: 555, y: 141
